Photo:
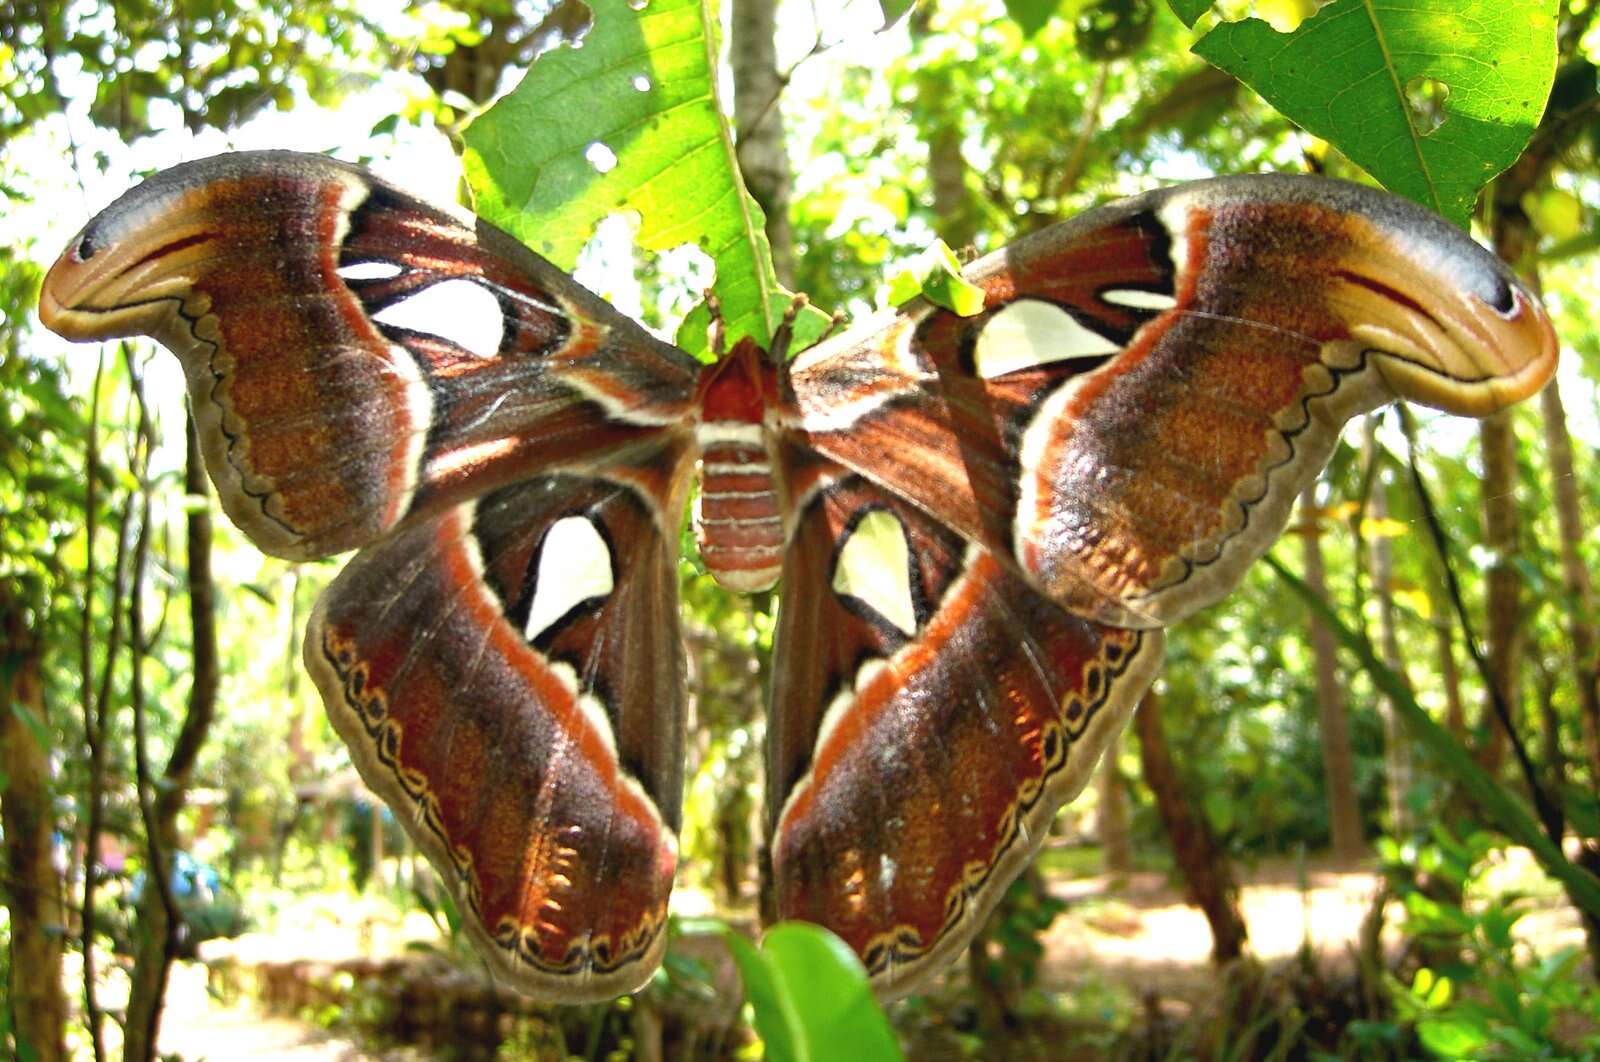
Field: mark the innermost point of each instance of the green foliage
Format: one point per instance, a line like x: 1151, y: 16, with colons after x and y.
x: 1024, y: 914
x: 219, y: 64
x: 1433, y: 98
x: 631, y: 121
x: 1491, y: 996
x: 1495, y: 801
x: 810, y: 996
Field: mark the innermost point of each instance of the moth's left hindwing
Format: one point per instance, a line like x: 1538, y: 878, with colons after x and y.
x: 508, y: 677
x: 503, y: 655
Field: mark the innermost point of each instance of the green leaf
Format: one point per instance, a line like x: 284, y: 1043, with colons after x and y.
x: 1431, y: 990
x: 1432, y: 97
x: 631, y: 122
x: 1508, y: 813
x: 1453, y: 1036
x: 811, y: 997
x: 936, y: 275
x: 1031, y: 15
x: 894, y: 10
x: 1189, y: 11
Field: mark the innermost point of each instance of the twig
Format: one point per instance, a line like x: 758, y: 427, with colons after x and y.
x: 93, y: 708
x: 1550, y: 814
x: 159, y: 869
x: 1072, y: 171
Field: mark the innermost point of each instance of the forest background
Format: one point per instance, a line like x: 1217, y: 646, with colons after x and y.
x: 153, y: 703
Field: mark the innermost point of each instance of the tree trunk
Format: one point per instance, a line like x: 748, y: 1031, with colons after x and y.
x: 1444, y: 639
x: 1513, y: 241
x: 1112, y: 822
x: 1338, y: 763
x: 38, y: 925
x: 1396, y: 746
x: 1205, y: 868
x: 1504, y: 584
x: 157, y: 937
x: 763, y: 158
x: 1574, y: 576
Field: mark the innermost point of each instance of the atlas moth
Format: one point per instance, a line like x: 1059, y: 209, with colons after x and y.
x: 980, y: 524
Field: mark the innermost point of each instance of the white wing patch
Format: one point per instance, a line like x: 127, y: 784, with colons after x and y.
x: 574, y: 566
x: 1030, y: 333
x: 457, y: 311
x: 874, y: 568
x: 374, y: 270
x: 1138, y: 299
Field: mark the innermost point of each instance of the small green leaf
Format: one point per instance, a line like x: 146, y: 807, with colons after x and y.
x: 1189, y: 11
x: 1453, y: 1036
x: 1031, y: 15
x: 811, y: 997
x: 1431, y: 97
x: 1430, y: 990
x: 894, y: 10
x: 775, y: 1019
x: 936, y: 275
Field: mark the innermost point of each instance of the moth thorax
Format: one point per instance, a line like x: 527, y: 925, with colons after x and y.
x: 737, y: 522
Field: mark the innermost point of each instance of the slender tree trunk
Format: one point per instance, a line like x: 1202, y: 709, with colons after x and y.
x: 157, y: 936
x: 763, y: 158
x: 1504, y: 599
x: 1205, y: 868
x: 1444, y: 638
x: 1338, y: 763
x: 1113, y: 814
x: 33, y: 887
x: 1581, y: 627
x: 1513, y: 240
x: 942, y: 132
x: 1396, y: 746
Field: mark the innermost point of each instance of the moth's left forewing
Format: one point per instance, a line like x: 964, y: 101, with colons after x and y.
x: 357, y: 357
x: 1150, y: 385
x: 930, y: 713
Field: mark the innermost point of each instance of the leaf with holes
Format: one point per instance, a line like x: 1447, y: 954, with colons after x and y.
x: 631, y: 122
x: 1432, y: 97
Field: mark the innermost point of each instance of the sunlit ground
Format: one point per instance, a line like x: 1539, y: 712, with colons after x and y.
x: 1124, y: 945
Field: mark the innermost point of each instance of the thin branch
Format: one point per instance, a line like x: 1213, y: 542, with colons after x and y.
x: 1077, y: 159
x: 159, y: 869
x: 93, y: 721
x: 1551, y: 816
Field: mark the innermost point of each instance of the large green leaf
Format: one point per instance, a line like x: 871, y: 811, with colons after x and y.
x: 630, y: 121
x: 1373, y: 76
x: 811, y: 998
x: 1507, y: 813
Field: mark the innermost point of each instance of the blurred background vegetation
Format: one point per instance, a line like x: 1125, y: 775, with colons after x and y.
x: 1279, y: 860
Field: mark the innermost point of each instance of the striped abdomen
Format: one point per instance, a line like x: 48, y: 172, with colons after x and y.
x: 738, y: 525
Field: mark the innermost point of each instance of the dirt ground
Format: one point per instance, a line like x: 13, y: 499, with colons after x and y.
x: 1137, y: 936
x: 1142, y: 934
